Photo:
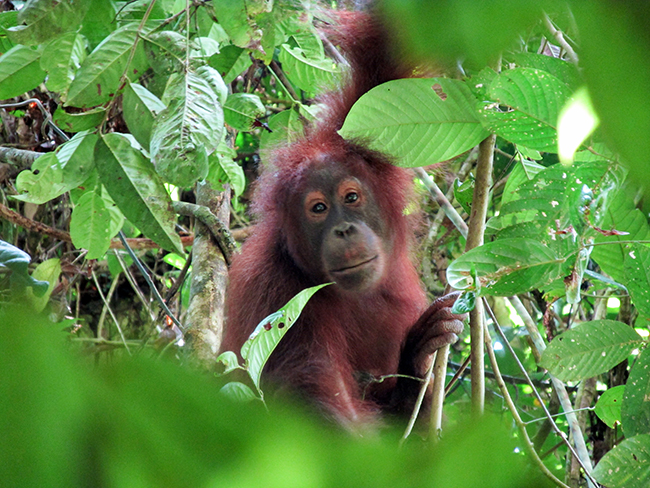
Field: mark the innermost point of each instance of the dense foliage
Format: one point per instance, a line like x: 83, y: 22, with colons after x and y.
x: 114, y: 113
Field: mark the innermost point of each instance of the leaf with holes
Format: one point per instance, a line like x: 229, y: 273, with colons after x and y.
x: 635, y: 412
x: 526, y: 105
x: 190, y: 128
x: 139, y: 192
x: 505, y: 267
x: 267, y: 335
x: 98, y: 78
x: 637, y: 271
x: 627, y: 465
x: 53, y: 174
x: 608, y: 407
x: 417, y: 121
x: 590, y: 349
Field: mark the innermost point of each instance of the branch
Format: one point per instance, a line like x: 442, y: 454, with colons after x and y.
x: 477, y: 217
x: 20, y: 158
x: 219, y: 231
x: 559, y: 38
x: 31, y: 225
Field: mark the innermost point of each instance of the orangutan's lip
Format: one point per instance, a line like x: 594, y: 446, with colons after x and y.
x: 355, y: 266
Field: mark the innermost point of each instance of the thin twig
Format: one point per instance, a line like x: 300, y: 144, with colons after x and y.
x: 149, y: 281
x: 580, y: 451
x: 107, y: 306
x: 528, y: 444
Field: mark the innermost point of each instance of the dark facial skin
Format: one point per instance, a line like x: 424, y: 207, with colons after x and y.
x: 344, y: 229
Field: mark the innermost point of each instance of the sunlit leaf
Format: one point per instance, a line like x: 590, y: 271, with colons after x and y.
x: 42, y: 20
x: 627, y: 465
x: 590, y: 349
x: 90, y: 225
x: 505, y: 267
x: 635, y: 411
x: 267, y: 335
x: 140, y: 108
x: 242, y: 110
x: 418, y: 121
x: 608, y: 407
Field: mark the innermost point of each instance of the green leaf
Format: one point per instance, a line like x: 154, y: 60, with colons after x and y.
x: 95, y: 27
x: 46, y: 272
x: 528, y: 102
x: 589, y: 349
x: 229, y: 360
x: 505, y: 267
x: 43, y: 20
x: 562, y: 70
x: 53, y: 174
x: 98, y: 79
x: 139, y: 192
x: 60, y: 59
x: 230, y: 62
x: 87, y: 120
x: 627, y: 465
x: 17, y: 261
x: 140, y: 108
x: 464, y: 193
x: 622, y: 215
x: 20, y: 71
x: 310, y: 75
x: 238, y: 392
x: 417, y: 121
x: 90, y: 225
x: 224, y: 169
x: 464, y: 303
x: 242, y: 110
x: 608, y: 407
x: 523, y: 172
x: 190, y: 128
x: 287, y: 128
x: 267, y: 335
x: 637, y: 272
x: 233, y: 17
x: 635, y: 412
x: 43, y: 182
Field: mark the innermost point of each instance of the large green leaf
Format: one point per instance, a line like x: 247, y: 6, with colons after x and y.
x: 590, y: 349
x: 61, y: 58
x: 20, y: 71
x: 505, y: 267
x: 99, y: 76
x: 627, y: 465
x: 310, y: 75
x: 90, y: 225
x: 258, y: 348
x: 133, y: 183
x: 635, y: 412
x: 42, y: 20
x: 526, y: 106
x: 81, y: 121
x: 608, y: 407
x: 418, y: 121
x: 140, y: 108
x: 561, y: 69
x: 190, y: 128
